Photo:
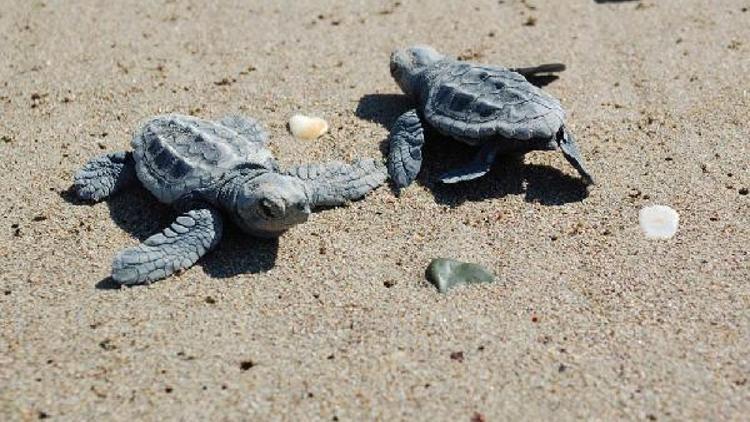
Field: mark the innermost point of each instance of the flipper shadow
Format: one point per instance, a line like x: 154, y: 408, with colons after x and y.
x: 509, y: 176
x: 141, y: 215
x: 107, y: 283
x: 542, y: 80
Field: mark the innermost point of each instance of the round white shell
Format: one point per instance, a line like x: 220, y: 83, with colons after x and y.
x: 658, y: 221
x: 306, y: 127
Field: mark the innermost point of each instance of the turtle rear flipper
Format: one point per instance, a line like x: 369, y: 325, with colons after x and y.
x: 540, y: 75
x: 567, y: 144
x: 480, y: 166
x: 536, y: 70
x: 248, y: 127
x: 103, y: 176
x: 178, y: 247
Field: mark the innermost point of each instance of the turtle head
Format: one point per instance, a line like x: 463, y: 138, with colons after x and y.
x: 270, y: 204
x: 407, y: 64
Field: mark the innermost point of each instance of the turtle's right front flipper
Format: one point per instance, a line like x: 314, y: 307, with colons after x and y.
x: 178, y: 247
x: 405, y: 149
x: 104, y: 175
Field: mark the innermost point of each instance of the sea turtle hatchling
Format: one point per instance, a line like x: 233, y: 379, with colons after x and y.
x: 202, y: 168
x: 493, y: 108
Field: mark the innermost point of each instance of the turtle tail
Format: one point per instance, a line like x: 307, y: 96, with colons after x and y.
x: 567, y: 144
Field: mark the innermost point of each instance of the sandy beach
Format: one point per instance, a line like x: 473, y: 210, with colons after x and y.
x: 335, y: 320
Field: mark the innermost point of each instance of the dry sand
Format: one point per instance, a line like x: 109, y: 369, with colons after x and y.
x: 335, y: 320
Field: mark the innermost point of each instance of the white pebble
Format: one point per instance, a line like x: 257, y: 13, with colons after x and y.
x: 306, y: 127
x: 658, y: 221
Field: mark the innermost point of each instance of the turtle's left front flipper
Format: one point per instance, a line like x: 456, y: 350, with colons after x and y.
x: 105, y: 175
x: 405, y: 149
x: 337, y: 183
x: 177, y: 247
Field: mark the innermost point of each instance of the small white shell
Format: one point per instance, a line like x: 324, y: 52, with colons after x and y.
x: 658, y: 221
x: 306, y: 127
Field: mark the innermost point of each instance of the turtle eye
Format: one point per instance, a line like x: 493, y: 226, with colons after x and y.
x: 269, y: 209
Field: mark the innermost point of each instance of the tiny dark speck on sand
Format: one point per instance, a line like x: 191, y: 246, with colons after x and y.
x: 246, y: 364
x: 478, y: 417
x: 106, y: 344
x: 224, y: 82
x: 457, y: 356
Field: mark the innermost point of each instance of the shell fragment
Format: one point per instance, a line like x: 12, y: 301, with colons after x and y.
x: 306, y: 127
x: 658, y: 221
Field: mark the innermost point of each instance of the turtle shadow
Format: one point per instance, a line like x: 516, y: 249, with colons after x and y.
x: 383, y: 109
x: 139, y: 214
x: 509, y: 176
x: 239, y: 253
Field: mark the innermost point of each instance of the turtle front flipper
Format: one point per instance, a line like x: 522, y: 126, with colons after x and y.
x: 103, y: 176
x: 567, y: 144
x: 337, y: 183
x: 480, y: 166
x: 178, y: 247
x: 405, y: 149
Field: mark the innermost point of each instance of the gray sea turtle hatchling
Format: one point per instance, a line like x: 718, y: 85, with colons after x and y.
x: 493, y: 108
x: 203, y: 168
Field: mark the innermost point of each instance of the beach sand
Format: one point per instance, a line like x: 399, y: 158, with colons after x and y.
x: 335, y: 320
